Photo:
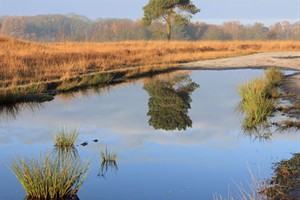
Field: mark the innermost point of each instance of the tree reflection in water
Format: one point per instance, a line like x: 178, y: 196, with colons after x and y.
x: 169, y: 101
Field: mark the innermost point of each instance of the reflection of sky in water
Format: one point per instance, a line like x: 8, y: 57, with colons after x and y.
x: 153, y: 164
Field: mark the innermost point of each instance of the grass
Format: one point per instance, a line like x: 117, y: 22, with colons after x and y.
x: 108, y: 156
x: 288, y: 124
x: 258, y: 98
x: 273, y: 77
x: 285, y: 183
x: 246, y: 192
x: 50, y: 178
x: 109, y: 161
x: 65, y: 139
x: 68, y: 66
x: 255, y: 103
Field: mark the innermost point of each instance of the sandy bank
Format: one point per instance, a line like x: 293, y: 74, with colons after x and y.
x: 282, y: 60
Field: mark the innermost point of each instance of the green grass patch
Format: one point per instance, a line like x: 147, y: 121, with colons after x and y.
x: 255, y: 104
x: 97, y: 79
x: 50, y: 178
x: 258, y: 98
x: 68, y: 85
x: 65, y: 139
x: 273, y: 76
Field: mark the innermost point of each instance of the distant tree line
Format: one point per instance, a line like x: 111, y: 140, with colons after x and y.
x: 72, y: 27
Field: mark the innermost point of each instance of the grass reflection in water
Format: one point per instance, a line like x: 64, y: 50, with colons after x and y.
x: 109, y: 162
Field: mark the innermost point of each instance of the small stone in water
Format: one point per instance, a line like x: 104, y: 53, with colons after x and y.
x: 84, y: 144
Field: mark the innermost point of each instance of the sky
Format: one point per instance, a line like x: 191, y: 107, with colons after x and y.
x: 214, y: 11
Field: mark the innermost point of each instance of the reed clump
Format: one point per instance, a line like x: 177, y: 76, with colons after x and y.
x: 65, y: 139
x: 255, y: 103
x: 273, y: 77
x: 50, y: 178
x: 108, y: 156
x: 258, y: 95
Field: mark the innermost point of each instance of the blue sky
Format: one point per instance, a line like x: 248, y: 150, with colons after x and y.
x: 211, y: 10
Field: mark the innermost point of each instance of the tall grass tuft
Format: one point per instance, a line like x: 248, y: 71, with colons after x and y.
x: 50, y: 178
x: 109, y: 162
x: 255, y: 103
x: 65, y: 139
x: 108, y: 156
x: 258, y: 95
x: 273, y: 76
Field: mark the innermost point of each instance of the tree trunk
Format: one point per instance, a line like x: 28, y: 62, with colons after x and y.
x: 169, y: 26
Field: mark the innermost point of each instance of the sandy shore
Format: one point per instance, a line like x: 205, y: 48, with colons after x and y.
x: 282, y: 60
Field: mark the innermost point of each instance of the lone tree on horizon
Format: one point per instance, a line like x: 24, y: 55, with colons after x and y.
x: 172, y: 12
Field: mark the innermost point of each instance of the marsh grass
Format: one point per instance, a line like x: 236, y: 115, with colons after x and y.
x: 109, y: 162
x: 273, y: 76
x: 65, y: 139
x: 251, y: 191
x: 284, y: 185
x: 108, y: 156
x: 259, y: 98
x: 255, y: 103
x: 50, y: 178
x: 29, y: 62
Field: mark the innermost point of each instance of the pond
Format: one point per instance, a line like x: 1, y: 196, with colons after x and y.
x: 178, y: 136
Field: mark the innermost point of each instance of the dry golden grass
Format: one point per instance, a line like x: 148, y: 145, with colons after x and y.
x: 23, y: 62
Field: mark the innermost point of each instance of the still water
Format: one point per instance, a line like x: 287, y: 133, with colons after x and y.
x: 169, y: 147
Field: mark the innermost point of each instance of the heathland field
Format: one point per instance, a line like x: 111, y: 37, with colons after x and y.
x: 24, y: 63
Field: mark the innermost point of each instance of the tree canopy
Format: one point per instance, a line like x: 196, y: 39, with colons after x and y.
x: 172, y: 12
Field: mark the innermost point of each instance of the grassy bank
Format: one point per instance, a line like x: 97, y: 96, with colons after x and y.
x: 258, y: 98
x: 62, y: 67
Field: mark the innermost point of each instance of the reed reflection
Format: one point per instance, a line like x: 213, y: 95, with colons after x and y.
x: 12, y: 111
x: 169, y: 102
x: 64, y: 153
x: 109, y: 163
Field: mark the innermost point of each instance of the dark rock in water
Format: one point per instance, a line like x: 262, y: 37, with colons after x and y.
x: 84, y: 144
x: 95, y: 140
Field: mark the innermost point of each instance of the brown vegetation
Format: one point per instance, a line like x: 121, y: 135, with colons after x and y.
x: 24, y: 62
x: 65, y: 66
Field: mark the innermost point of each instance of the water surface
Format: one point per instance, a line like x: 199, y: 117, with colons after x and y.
x: 208, y: 155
